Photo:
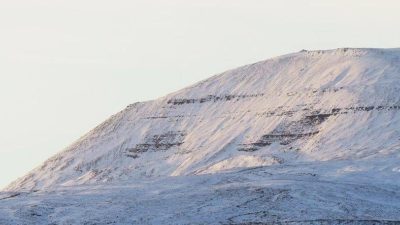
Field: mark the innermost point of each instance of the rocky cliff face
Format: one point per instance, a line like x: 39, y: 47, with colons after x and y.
x: 303, y: 108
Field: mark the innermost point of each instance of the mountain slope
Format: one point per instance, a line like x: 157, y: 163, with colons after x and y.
x: 257, y: 196
x: 301, y: 108
x: 309, y: 138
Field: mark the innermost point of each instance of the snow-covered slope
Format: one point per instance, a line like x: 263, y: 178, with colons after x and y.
x: 257, y: 196
x: 305, y: 107
x: 306, y: 138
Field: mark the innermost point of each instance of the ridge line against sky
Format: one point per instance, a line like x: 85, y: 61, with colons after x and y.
x: 66, y: 66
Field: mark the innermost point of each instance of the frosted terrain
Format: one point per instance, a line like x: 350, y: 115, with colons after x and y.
x: 307, y: 138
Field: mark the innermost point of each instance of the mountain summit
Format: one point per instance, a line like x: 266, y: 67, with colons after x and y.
x: 307, y: 138
x: 305, y: 107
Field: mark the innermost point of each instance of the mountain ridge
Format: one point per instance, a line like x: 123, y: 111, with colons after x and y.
x: 308, y: 138
x: 273, y: 112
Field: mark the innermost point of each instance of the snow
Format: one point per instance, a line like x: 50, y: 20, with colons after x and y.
x: 293, y: 194
x: 306, y: 138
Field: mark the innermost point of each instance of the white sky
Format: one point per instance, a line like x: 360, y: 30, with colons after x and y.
x: 65, y: 66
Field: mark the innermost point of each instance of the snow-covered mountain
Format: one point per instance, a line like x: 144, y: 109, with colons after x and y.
x: 326, y: 124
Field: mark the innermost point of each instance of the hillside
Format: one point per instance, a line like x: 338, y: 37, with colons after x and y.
x: 312, y: 136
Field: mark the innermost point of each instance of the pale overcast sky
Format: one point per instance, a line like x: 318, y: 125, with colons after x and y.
x: 65, y: 66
